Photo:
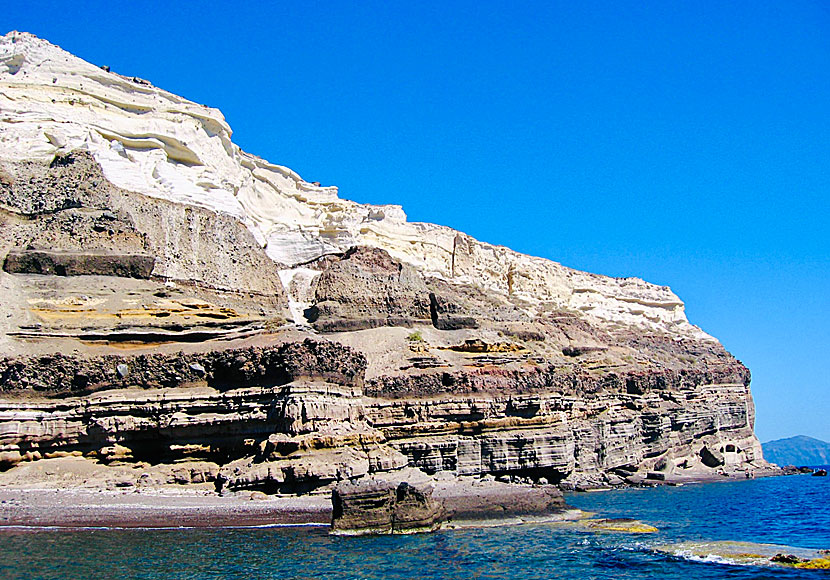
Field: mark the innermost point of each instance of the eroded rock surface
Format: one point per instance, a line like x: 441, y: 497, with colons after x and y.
x: 394, y: 504
x: 367, y: 288
x: 176, y: 310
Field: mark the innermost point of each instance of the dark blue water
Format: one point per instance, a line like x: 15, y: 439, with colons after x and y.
x: 793, y: 511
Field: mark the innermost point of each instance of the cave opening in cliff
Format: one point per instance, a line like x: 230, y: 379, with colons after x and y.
x: 531, y: 475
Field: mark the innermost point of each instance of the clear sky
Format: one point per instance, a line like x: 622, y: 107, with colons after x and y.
x: 685, y: 143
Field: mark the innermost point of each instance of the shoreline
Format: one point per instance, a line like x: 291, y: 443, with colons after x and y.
x: 670, y: 479
x: 31, y: 509
x: 41, y: 509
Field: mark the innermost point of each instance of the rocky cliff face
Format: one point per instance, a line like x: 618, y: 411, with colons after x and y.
x: 178, y: 305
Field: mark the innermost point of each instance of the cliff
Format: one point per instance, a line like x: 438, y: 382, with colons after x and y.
x: 177, y: 305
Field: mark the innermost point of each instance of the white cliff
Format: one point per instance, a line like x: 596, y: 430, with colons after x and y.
x: 153, y: 142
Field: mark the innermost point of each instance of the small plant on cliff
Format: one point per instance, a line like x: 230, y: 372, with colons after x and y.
x: 415, y: 337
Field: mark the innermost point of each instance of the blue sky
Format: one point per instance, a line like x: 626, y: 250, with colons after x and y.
x: 684, y: 143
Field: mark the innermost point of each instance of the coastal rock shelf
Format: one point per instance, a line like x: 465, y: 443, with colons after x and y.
x: 180, y: 312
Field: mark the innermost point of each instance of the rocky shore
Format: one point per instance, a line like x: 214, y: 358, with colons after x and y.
x: 353, y: 507
x: 373, y: 504
x: 180, y: 314
x: 155, y: 508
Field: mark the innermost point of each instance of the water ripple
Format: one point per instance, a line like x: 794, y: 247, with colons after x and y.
x: 793, y: 511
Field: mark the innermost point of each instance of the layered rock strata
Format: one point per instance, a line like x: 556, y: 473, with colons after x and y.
x: 155, y: 144
x: 296, y: 417
x: 184, y: 312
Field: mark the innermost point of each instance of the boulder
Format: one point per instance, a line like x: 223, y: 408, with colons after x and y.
x: 385, y: 505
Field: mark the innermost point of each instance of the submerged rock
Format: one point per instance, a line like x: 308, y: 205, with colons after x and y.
x: 749, y: 553
x: 815, y: 564
x: 627, y: 525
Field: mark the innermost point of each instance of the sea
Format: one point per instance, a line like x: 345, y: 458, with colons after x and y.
x: 792, y: 512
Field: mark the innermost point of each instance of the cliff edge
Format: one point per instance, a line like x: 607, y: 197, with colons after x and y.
x: 180, y: 312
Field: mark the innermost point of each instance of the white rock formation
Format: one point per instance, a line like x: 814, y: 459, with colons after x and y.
x: 153, y: 142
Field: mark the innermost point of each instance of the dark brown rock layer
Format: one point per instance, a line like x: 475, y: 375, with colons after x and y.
x: 79, y: 263
x: 61, y: 374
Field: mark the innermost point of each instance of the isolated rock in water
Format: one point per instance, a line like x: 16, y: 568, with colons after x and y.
x: 385, y: 505
x: 815, y: 564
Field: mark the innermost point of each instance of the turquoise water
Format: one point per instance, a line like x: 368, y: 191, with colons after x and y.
x: 794, y: 511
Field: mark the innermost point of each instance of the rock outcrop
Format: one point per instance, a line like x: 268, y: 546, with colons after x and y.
x: 366, y: 288
x: 397, y: 504
x: 175, y: 304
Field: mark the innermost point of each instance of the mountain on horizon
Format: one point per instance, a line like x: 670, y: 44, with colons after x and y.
x: 798, y: 450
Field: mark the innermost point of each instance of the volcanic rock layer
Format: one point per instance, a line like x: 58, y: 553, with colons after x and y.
x: 178, y: 311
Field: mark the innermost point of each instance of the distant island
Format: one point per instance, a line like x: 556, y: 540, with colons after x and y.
x: 798, y: 450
